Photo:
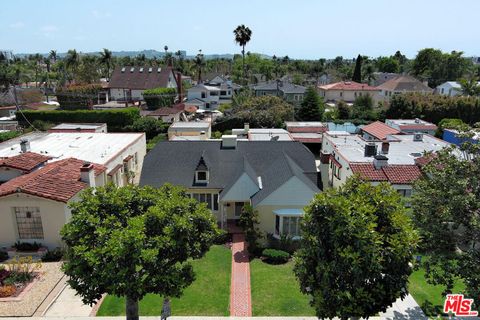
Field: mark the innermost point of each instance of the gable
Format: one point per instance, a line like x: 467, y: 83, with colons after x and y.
x: 241, y: 190
x: 293, y: 192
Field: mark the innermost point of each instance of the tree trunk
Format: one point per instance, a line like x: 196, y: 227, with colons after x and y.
x: 132, y: 309
x: 243, y: 64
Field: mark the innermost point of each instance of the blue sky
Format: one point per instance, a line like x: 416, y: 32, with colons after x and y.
x: 297, y: 28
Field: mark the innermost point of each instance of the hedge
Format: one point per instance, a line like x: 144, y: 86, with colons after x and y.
x: 78, y: 96
x: 116, y: 120
x: 159, y: 97
x: 274, y: 256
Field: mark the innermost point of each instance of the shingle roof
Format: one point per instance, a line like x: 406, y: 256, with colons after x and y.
x: 164, y: 111
x: 285, y: 87
x: 140, y: 80
x: 395, y: 174
x: 275, y: 162
x: 405, y: 83
x: 348, y: 86
x: 58, y: 181
x: 379, y: 130
x: 25, y: 161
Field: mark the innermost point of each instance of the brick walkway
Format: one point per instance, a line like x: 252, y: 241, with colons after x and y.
x: 240, y: 296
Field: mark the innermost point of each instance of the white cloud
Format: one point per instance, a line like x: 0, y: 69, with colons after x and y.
x: 17, y: 25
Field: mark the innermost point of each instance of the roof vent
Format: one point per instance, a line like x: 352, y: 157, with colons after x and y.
x: 132, y: 69
x: 370, y: 149
x: 25, y: 146
x: 150, y: 70
x: 418, y: 136
x: 159, y: 70
x: 229, y: 141
x: 417, y: 120
x: 123, y: 69
x: 141, y: 70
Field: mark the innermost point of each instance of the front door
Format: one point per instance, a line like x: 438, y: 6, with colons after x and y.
x: 238, y: 209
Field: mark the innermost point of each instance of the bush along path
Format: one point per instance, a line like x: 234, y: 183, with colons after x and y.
x: 240, y: 294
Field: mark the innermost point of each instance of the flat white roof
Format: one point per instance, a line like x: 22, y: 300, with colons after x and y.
x: 192, y: 124
x: 269, y: 134
x: 92, y: 147
x: 74, y: 126
x: 307, y: 124
x: 402, y: 122
x: 187, y: 138
x: 403, y: 150
x: 312, y: 135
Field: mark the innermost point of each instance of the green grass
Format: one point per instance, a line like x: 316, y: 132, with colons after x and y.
x: 209, y: 295
x: 276, y: 292
x: 429, y: 297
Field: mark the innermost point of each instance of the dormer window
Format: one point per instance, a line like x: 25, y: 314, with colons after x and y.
x: 201, y: 176
x: 201, y: 171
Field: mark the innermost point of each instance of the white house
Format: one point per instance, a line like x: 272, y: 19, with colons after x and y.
x: 412, y: 126
x: 192, y: 130
x: 205, y: 97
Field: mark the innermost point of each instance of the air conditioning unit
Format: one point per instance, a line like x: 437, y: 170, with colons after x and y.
x: 418, y: 137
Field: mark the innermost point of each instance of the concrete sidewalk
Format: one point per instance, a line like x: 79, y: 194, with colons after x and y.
x: 67, y: 303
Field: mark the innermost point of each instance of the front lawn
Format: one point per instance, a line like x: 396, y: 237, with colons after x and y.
x: 209, y: 295
x: 276, y: 292
x: 429, y: 297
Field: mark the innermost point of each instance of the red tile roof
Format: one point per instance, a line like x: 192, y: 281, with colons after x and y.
x: 418, y: 127
x: 395, y: 174
x: 307, y: 129
x: 25, y: 161
x: 58, y: 181
x: 379, y: 130
x: 348, y: 86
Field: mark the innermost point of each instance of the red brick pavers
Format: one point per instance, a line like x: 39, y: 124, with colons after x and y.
x: 240, y: 296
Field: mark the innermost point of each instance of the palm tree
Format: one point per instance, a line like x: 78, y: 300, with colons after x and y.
x: 199, y: 63
x: 470, y: 86
x: 242, y: 37
x: 72, y: 61
x: 53, y: 55
x: 106, y: 60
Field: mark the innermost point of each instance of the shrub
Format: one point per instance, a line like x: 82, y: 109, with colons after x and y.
x: 285, y: 243
x: 3, y: 255
x: 42, y: 125
x: 26, y: 246
x: 153, y: 142
x: 223, y: 237
x: 151, y: 126
x: 116, y: 120
x: 7, y: 291
x: 3, y: 275
x: 159, y: 97
x: 4, y: 136
x: 274, y: 256
x: 53, y: 255
x: 78, y: 96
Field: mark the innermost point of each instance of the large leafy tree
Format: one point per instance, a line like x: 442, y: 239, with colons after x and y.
x: 470, y: 86
x: 263, y: 112
x: 312, y: 106
x: 388, y: 64
x: 446, y: 207
x: 242, y: 35
x: 357, y: 244
x: 131, y: 241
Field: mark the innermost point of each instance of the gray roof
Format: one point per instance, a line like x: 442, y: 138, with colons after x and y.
x: 275, y: 162
x: 285, y: 87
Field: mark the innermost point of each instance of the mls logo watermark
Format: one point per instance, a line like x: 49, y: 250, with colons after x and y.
x: 459, y: 306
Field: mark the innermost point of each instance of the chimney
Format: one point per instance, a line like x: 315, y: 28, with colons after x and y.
x: 87, y: 174
x: 229, y: 141
x: 246, y: 127
x: 385, y: 147
x: 380, y: 161
x: 179, y: 87
x: 25, y: 146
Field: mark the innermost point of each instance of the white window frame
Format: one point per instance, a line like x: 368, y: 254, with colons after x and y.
x: 281, y: 224
x: 205, y: 195
x: 201, y: 180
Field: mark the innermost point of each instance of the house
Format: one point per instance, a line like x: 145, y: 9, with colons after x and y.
x: 382, y: 77
x: 204, y: 97
x: 193, y: 130
x: 227, y: 88
x: 35, y: 206
x: 168, y: 114
x: 309, y: 133
x: 278, y: 178
x: 454, y: 137
x: 80, y: 127
x: 127, y: 83
x: 395, y: 161
x: 378, y: 131
x: 410, y: 126
x: 402, y: 84
x: 347, y: 91
x: 450, y: 88
x: 121, y: 153
x: 288, y: 91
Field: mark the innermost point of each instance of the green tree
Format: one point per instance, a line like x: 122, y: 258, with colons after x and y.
x: 243, y: 35
x: 357, y: 73
x: 249, y: 221
x: 343, y: 110
x: 199, y: 63
x: 446, y: 206
x: 132, y: 241
x: 106, y: 59
x: 263, y: 112
x: 72, y: 62
x: 312, y: 106
x: 151, y: 126
x: 357, y: 243
x: 388, y: 64
x: 470, y: 86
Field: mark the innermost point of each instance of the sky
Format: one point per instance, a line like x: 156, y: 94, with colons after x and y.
x: 301, y: 29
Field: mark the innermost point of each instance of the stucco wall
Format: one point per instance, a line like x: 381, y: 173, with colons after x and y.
x: 267, y: 217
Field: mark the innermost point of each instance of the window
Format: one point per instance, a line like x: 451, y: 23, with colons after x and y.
x: 210, y: 199
x: 29, y: 222
x: 287, y: 226
x: 405, y: 192
x: 223, y: 93
x: 238, y: 209
x: 202, y: 176
x: 204, y: 95
x: 336, y: 172
x: 135, y: 158
x: 341, y: 94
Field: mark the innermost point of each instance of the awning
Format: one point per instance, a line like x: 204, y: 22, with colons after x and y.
x: 289, y: 212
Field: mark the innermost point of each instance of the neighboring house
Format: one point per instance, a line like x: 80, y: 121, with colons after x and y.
x: 450, y: 88
x: 347, y: 91
x: 377, y: 131
x: 410, y: 126
x: 227, y: 88
x: 128, y: 82
x: 204, y: 97
x: 167, y: 114
x: 402, y: 84
x: 8, y: 112
x: 80, y: 127
x: 382, y: 77
x: 35, y: 206
x: 278, y: 178
x: 288, y: 91
x: 193, y: 130
x: 121, y: 153
x: 272, y: 134
x: 454, y: 137
x: 307, y: 132
x: 394, y: 161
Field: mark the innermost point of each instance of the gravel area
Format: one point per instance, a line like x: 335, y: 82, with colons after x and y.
x: 50, y: 276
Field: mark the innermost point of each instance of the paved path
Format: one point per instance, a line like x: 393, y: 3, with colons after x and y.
x: 67, y: 303
x: 240, y: 296
x: 407, y: 308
